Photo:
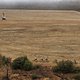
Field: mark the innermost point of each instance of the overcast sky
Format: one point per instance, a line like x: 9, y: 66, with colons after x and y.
x: 15, y: 1
x: 40, y: 4
x: 33, y: 0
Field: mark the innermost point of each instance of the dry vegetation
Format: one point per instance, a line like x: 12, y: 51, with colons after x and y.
x: 44, y: 36
x: 40, y: 34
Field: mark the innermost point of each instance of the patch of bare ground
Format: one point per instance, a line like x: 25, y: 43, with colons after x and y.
x: 45, y: 73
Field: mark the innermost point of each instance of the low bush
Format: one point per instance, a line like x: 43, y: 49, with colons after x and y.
x: 35, y: 76
x: 77, y: 77
x: 5, y: 60
x: 22, y: 63
x: 64, y: 67
x: 27, y: 65
x: 77, y: 69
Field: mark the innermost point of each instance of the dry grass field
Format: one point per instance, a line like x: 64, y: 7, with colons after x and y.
x: 41, y: 34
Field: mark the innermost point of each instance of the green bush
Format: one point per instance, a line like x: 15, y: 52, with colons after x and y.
x: 77, y: 77
x: 64, y: 67
x: 27, y: 65
x: 22, y: 63
x: 35, y: 76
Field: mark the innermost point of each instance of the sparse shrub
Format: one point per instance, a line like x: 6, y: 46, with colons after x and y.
x: 35, y: 76
x: 77, y: 77
x: 64, y: 67
x: 22, y: 63
x: 5, y: 60
x: 77, y: 69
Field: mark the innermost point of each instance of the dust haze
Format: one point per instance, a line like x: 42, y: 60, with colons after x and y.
x: 40, y: 4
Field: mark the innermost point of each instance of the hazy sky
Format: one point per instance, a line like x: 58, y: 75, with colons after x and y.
x: 41, y: 4
x: 15, y: 1
x: 33, y: 0
x: 29, y: 0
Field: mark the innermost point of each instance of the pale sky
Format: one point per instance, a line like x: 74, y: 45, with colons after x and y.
x: 25, y: 0
x: 39, y: 3
x: 5, y: 1
x: 28, y: 1
x: 34, y: 0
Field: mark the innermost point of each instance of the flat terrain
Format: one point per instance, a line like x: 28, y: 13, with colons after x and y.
x: 41, y: 34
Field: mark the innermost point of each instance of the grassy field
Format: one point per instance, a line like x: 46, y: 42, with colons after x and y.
x: 41, y: 34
